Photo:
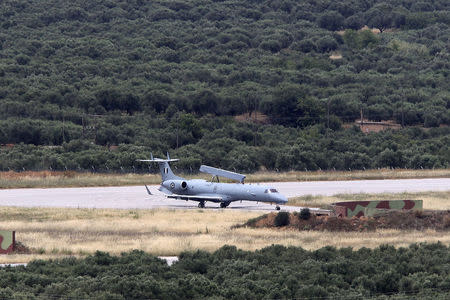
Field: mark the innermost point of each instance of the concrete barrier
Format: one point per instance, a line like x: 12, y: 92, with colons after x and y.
x: 371, y: 208
x: 7, y: 241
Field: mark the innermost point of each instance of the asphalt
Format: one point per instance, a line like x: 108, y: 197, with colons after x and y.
x: 136, y: 197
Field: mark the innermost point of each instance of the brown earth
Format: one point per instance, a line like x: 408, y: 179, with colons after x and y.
x: 253, y: 117
x: 402, y: 220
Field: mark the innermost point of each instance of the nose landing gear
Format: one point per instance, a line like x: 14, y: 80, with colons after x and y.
x: 224, y: 204
x: 277, y: 207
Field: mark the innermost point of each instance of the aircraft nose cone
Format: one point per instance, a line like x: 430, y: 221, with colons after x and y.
x: 280, y: 198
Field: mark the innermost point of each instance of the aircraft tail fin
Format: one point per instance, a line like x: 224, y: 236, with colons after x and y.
x: 166, y: 171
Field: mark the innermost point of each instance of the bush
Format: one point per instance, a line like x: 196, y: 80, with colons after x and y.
x: 420, y: 269
x: 282, y: 219
x: 305, y: 214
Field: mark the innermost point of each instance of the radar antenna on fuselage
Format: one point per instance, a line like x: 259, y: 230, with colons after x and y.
x: 222, y: 173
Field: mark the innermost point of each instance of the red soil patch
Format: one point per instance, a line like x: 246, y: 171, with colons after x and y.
x: 402, y: 220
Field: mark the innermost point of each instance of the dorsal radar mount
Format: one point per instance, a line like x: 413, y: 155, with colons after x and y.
x: 222, y: 173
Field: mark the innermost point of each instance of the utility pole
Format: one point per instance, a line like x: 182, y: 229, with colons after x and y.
x: 63, y: 137
x: 178, y: 118
x: 362, y: 117
x: 254, y: 135
x: 82, y: 123
x: 328, y: 113
x: 403, y: 116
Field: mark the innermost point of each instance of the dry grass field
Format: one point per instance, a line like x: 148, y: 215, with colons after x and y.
x: 56, y: 232
x: 54, y: 179
x: 48, y: 179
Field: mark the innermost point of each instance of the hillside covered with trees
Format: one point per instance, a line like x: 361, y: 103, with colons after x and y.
x: 77, y: 77
x: 276, y: 272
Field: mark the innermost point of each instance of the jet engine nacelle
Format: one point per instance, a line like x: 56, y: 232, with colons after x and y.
x: 177, y: 186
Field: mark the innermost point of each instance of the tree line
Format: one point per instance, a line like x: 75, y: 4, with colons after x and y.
x: 148, y: 74
x: 221, y: 142
x: 275, y: 272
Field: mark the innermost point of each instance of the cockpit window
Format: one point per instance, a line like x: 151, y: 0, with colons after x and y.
x: 266, y: 191
x: 273, y: 191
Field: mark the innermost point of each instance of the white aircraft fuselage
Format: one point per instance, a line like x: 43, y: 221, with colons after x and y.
x: 229, y: 192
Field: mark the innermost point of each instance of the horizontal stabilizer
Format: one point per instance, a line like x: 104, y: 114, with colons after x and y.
x: 148, y: 190
x: 158, y: 160
x: 222, y: 173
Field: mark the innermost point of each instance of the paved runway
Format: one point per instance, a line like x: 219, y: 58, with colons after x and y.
x: 131, y: 197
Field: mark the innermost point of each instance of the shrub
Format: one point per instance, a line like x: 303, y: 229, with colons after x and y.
x: 305, y: 214
x: 282, y: 219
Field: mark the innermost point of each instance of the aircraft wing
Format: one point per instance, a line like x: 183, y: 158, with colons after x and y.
x: 222, y: 173
x: 195, y: 197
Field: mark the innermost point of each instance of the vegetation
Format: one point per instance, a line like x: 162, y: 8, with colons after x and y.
x: 59, y: 232
x: 78, y: 77
x: 283, y: 149
x: 275, y: 272
x: 281, y: 219
x: 304, y: 214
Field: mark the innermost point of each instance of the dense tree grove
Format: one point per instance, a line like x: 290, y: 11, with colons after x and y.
x: 244, y: 148
x: 77, y: 76
x: 276, y: 272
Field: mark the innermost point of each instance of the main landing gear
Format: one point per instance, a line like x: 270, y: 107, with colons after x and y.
x: 277, y: 207
x: 224, y: 204
x: 201, y: 204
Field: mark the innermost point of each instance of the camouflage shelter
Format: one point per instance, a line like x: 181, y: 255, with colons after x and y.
x: 371, y: 208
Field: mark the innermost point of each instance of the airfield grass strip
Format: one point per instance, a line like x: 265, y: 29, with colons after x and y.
x: 54, y: 179
x: 57, y: 232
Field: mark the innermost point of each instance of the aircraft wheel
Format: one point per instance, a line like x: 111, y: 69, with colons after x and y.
x: 277, y: 207
x: 224, y: 204
x: 201, y: 205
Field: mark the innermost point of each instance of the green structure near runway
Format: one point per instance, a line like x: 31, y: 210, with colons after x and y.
x: 7, y: 241
x: 371, y: 208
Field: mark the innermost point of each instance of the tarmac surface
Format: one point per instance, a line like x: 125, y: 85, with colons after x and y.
x: 136, y: 197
